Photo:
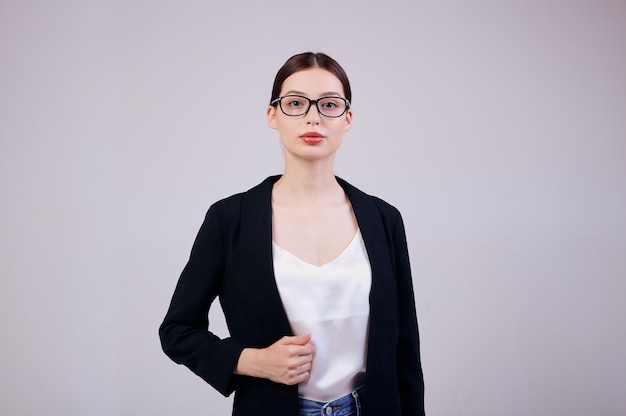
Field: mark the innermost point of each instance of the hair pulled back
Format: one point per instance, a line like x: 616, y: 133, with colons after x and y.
x: 308, y: 60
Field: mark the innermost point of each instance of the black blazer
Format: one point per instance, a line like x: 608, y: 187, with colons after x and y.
x: 232, y: 258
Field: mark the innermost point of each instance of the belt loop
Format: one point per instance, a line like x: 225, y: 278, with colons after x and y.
x: 357, y: 401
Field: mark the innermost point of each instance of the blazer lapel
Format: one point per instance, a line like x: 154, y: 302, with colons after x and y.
x: 256, y: 252
x: 383, y: 308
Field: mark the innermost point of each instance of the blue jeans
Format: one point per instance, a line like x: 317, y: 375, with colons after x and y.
x: 348, y: 405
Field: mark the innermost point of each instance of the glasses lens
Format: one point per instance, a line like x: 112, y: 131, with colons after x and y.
x: 331, y: 106
x: 294, y: 105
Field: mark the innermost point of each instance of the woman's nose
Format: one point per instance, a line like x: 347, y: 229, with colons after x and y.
x: 313, y: 115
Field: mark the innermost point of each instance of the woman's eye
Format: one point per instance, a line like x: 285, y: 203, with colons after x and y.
x: 294, y: 103
x: 329, y: 104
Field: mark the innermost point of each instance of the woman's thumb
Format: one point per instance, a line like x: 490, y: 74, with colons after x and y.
x: 300, y: 339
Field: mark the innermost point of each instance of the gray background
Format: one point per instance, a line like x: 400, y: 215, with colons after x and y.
x: 496, y: 127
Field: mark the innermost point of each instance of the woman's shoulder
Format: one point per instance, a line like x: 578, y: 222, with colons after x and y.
x: 232, y: 204
x: 364, y: 202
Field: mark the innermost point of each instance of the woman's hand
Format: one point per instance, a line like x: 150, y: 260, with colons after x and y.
x: 287, y: 361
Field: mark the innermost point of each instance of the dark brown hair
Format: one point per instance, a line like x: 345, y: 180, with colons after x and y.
x: 308, y: 60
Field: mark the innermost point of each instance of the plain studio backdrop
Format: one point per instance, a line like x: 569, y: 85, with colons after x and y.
x: 496, y: 127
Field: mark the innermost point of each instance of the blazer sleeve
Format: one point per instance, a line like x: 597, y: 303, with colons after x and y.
x: 410, y: 376
x: 184, y: 333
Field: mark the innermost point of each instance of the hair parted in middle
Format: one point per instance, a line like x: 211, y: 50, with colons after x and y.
x: 307, y: 60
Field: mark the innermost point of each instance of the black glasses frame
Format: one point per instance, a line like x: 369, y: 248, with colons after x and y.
x: 280, y: 104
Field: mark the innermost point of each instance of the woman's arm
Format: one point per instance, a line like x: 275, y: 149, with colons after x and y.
x: 184, y: 333
x: 410, y: 377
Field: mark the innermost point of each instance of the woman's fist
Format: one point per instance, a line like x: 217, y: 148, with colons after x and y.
x: 287, y: 361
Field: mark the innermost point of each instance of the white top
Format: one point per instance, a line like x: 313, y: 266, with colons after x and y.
x: 331, y: 302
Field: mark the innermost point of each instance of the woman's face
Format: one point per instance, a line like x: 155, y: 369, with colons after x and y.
x: 312, y: 135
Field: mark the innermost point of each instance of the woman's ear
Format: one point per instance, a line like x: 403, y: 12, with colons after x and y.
x: 348, y: 125
x: 271, y: 116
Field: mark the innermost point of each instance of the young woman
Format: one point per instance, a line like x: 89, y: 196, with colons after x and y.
x: 312, y: 275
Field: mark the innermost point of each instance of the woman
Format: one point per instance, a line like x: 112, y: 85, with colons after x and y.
x: 312, y: 275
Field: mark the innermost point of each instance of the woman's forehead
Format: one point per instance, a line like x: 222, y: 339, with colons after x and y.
x: 312, y: 81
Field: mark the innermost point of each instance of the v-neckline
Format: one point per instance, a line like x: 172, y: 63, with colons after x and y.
x: 337, y: 258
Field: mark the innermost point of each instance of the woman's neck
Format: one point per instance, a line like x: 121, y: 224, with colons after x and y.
x: 310, y: 183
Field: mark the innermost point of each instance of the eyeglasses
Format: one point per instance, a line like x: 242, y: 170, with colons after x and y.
x: 297, y: 105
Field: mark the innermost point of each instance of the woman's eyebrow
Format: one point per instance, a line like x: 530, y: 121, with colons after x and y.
x: 325, y: 94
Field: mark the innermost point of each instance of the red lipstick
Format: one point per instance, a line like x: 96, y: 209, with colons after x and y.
x: 312, y: 137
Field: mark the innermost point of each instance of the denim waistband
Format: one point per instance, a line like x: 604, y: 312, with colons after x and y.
x: 348, y: 405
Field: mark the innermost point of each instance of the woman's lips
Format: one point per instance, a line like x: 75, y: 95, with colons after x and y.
x: 312, y: 137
